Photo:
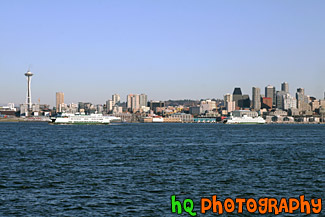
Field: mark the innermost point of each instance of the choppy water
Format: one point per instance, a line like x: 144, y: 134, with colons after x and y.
x: 133, y: 169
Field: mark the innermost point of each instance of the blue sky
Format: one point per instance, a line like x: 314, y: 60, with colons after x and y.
x: 166, y: 49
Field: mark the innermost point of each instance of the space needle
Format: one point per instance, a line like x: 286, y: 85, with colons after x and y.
x: 29, y: 75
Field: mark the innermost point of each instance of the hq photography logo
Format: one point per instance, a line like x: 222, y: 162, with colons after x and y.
x: 250, y: 205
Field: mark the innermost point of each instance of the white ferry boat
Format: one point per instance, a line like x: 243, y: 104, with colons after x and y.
x: 83, y: 119
x: 244, y: 117
x: 244, y: 120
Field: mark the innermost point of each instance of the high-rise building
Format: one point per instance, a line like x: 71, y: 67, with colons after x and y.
x: 241, y: 101
x: 229, y: 103
x: 245, y: 102
x: 133, y: 102
x: 256, y: 101
x: 237, y: 96
x: 270, y: 93
x: 227, y: 97
x: 59, y: 101
x: 302, y: 100
x: 279, y: 99
x: 285, y: 87
x: 116, y: 99
x: 129, y: 101
x: 289, y: 102
x: 143, y: 100
x: 267, y: 103
x: 301, y: 91
x: 109, y: 105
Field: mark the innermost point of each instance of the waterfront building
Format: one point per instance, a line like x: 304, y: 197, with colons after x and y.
x: 207, y: 106
x: 194, y: 110
x: 183, y: 117
x: 256, y: 98
x: 9, y: 108
x: 25, y: 111
x: 156, y: 104
x: 59, y: 101
x: 270, y: 93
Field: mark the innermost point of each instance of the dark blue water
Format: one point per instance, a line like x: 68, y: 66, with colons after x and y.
x: 133, y: 169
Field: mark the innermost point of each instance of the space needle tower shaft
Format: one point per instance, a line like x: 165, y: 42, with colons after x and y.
x: 29, y: 75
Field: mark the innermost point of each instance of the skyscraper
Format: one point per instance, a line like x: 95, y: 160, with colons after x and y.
x: 285, y: 87
x: 129, y: 101
x: 270, y: 93
x: 229, y: 103
x: 301, y: 91
x: 116, y: 99
x: 133, y: 102
x: 256, y: 101
x: 279, y: 99
x: 302, y: 100
x: 59, y: 101
x: 143, y: 101
x: 237, y: 96
x: 289, y: 102
x: 109, y: 106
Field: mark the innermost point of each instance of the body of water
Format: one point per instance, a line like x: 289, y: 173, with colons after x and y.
x: 133, y: 169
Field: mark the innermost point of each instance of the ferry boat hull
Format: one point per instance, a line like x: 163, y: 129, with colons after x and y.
x: 244, y: 120
x: 93, y: 119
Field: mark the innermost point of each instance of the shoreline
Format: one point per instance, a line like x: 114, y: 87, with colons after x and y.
x: 18, y: 120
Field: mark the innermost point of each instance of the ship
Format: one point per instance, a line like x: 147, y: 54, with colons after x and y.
x: 83, y: 119
x: 244, y: 117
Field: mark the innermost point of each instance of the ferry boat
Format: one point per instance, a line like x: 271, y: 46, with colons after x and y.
x: 244, y: 120
x: 83, y: 119
x: 244, y: 117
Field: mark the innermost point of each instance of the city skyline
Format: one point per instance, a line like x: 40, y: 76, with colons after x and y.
x: 59, y: 96
x: 166, y: 49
